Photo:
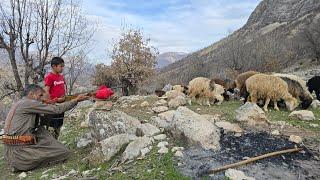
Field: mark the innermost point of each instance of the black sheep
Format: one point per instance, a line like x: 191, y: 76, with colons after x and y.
x: 314, y: 85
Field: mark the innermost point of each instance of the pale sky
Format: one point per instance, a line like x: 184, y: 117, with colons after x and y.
x: 172, y: 26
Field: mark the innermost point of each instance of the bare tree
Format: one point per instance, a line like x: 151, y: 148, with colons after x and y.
x: 75, y: 66
x: 133, y: 60
x: 41, y: 29
x: 9, y: 37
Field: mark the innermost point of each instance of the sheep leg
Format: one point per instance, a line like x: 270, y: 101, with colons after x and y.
x: 265, y: 107
x: 253, y: 99
x: 275, y: 105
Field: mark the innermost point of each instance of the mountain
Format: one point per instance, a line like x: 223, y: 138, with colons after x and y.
x: 167, y: 58
x: 278, y: 34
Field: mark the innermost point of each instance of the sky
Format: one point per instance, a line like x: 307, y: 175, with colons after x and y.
x: 172, y: 26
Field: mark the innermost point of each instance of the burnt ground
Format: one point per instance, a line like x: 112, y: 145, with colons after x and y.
x: 298, y: 165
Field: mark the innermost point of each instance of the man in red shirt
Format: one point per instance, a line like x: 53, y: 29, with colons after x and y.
x: 55, y: 89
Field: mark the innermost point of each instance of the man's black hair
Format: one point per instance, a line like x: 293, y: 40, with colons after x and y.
x: 32, y: 88
x: 56, y: 61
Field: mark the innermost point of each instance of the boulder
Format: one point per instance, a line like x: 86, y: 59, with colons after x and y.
x: 177, y: 101
x: 315, y: 104
x: 104, y: 124
x: 156, y: 121
x: 167, y: 116
x: 303, y: 115
x: 295, y: 139
x: 252, y: 114
x: 194, y: 129
x: 233, y: 174
x: 160, y: 109
x: 112, y: 145
x: 134, y: 148
x: 147, y: 129
x: 229, y: 127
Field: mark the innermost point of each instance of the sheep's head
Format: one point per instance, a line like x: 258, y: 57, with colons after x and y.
x: 291, y: 103
x: 212, y: 85
x: 306, y: 101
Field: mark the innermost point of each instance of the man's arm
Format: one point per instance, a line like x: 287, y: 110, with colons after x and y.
x: 37, y: 107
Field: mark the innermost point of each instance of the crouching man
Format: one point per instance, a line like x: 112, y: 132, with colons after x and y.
x: 26, y: 144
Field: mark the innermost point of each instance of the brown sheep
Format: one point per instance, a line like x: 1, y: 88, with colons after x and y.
x: 228, y: 85
x: 269, y: 87
x: 203, y: 90
x: 241, y: 83
x: 297, y: 88
x: 181, y: 88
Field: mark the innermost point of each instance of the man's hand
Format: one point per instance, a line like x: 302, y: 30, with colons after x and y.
x: 82, y: 97
x: 61, y: 99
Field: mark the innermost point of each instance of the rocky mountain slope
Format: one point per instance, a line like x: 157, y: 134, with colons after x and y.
x: 278, y: 34
x: 164, y: 59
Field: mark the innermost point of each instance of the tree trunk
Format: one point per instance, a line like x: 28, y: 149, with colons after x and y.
x: 15, y: 70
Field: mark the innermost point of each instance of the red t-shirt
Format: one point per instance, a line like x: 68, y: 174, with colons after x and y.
x: 56, y: 83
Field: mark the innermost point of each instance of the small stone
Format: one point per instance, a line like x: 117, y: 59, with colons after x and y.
x: 133, y: 105
x: 304, y: 115
x: 45, y: 176
x: 161, y: 102
x: 314, y: 125
x: 83, y: 143
x: 178, y: 154
x: 237, y: 175
x: 163, y: 150
x: 22, y: 175
x: 162, y: 144
x: 162, y: 172
x: 275, y: 132
x: 160, y: 137
x: 160, y: 109
x: 198, y: 109
x: 144, y: 104
x: 174, y: 149
x: 149, y: 170
x: 295, y: 139
x: 315, y: 104
x: 237, y: 135
x: 84, y: 124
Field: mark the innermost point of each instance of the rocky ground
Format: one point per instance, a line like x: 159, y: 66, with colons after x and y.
x: 142, y: 137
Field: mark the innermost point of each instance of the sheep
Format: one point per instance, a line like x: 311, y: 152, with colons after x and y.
x: 173, y: 94
x: 228, y: 85
x: 297, y: 88
x: 181, y: 88
x: 241, y: 83
x: 269, y: 87
x: 219, y: 93
x: 203, y: 89
x: 314, y: 85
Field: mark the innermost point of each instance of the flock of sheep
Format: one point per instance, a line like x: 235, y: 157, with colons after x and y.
x: 249, y: 86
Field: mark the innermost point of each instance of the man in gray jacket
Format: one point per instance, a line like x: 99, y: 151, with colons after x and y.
x: 26, y: 144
